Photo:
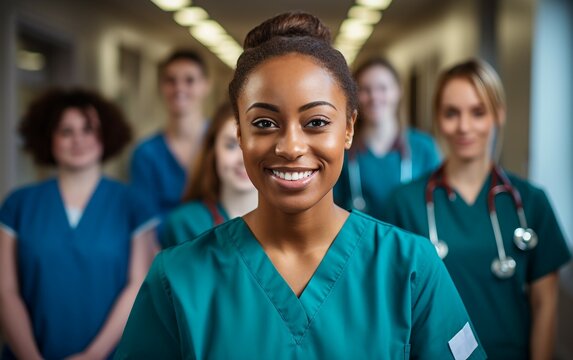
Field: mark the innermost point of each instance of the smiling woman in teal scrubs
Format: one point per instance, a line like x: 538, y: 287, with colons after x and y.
x: 386, y: 152
x: 74, y: 248
x: 514, y: 314
x: 298, y: 277
x: 219, y: 188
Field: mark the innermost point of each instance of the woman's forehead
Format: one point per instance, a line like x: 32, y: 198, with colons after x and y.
x: 292, y: 79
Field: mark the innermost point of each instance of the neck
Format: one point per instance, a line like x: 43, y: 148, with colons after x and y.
x: 76, y: 185
x: 300, y: 232
x: 468, y: 177
x: 238, y: 203
x: 185, y: 126
x: 381, y: 134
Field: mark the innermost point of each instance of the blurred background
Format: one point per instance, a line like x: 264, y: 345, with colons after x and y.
x: 115, y: 46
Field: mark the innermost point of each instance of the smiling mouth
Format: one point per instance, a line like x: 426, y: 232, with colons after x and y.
x: 293, y: 175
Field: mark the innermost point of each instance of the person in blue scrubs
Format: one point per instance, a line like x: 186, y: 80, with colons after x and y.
x: 386, y: 152
x: 219, y: 188
x: 513, y: 306
x: 159, y: 164
x: 298, y: 277
x: 74, y: 248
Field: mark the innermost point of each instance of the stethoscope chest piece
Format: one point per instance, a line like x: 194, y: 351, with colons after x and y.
x: 525, y: 238
x: 503, y: 268
x: 359, y: 203
x: 442, y: 249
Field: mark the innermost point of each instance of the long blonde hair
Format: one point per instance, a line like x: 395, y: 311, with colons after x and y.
x: 488, y: 87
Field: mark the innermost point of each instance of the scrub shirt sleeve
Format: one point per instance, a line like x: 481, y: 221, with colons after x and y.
x: 9, y: 214
x: 142, y: 217
x: 551, y: 251
x: 441, y: 327
x: 142, y: 180
x: 151, y: 331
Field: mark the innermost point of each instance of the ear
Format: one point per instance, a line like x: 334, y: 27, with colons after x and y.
x: 350, y: 130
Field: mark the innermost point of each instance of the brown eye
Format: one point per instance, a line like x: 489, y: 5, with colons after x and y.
x: 317, y: 123
x: 264, y: 124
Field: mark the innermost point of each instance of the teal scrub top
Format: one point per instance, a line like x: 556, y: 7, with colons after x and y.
x: 500, y: 309
x: 70, y: 277
x: 189, y: 221
x: 381, y: 175
x: 379, y: 293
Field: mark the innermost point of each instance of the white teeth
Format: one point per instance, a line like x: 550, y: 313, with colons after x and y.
x: 292, y: 176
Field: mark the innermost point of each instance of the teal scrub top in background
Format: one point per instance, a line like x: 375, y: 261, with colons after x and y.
x: 188, y: 221
x: 157, y: 176
x: 379, y: 293
x: 381, y: 175
x: 70, y: 277
x: 500, y: 309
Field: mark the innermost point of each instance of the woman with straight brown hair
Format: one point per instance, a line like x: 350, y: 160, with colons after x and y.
x: 219, y: 188
x: 496, y: 232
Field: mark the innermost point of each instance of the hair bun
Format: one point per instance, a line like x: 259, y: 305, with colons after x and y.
x: 290, y: 24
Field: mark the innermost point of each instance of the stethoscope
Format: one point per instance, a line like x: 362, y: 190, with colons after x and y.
x: 523, y: 237
x: 215, y: 213
x: 355, y: 179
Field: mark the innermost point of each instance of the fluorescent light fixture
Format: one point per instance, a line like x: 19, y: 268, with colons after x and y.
x: 190, y: 16
x: 171, y: 5
x: 375, y: 4
x: 355, y: 29
x: 364, y: 14
x: 31, y: 61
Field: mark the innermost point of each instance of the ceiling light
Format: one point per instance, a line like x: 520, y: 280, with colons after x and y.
x: 190, y: 16
x: 31, y: 61
x: 354, y: 29
x: 365, y: 14
x: 171, y: 5
x: 375, y: 4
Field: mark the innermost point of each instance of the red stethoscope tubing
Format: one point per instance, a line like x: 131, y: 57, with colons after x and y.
x: 215, y: 213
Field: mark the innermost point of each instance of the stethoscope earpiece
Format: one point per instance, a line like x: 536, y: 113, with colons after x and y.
x: 503, y: 268
x: 525, y: 238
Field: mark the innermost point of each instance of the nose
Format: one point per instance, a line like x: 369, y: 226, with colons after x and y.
x: 464, y: 123
x: 292, y: 142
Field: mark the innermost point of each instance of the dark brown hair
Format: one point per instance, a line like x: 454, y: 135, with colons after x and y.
x: 45, y: 113
x: 292, y: 32
x: 204, y: 183
x: 185, y: 55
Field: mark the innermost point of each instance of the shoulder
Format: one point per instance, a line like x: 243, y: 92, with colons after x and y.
x: 29, y: 190
x: 530, y: 194
x: 419, y: 138
x: 148, y: 145
x: 185, y: 212
x: 400, y: 244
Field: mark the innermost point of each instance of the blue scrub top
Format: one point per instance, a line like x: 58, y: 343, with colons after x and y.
x: 189, y: 221
x: 157, y: 176
x: 378, y: 293
x: 381, y: 175
x: 70, y: 277
x: 500, y: 309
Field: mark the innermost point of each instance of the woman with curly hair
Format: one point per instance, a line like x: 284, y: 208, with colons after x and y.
x: 74, y: 248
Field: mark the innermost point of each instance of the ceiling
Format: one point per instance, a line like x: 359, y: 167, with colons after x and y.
x: 238, y: 17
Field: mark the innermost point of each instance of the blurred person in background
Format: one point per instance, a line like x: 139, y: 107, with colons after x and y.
x: 219, y: 188
x: 75, y: 248
x: 496, y: 232
x: 386, y: 153
x: 159, y: 163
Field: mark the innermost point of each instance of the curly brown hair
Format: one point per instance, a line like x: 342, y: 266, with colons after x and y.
x: 44, y: 114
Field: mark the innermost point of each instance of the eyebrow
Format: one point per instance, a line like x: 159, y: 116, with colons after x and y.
x: 305, y: 107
